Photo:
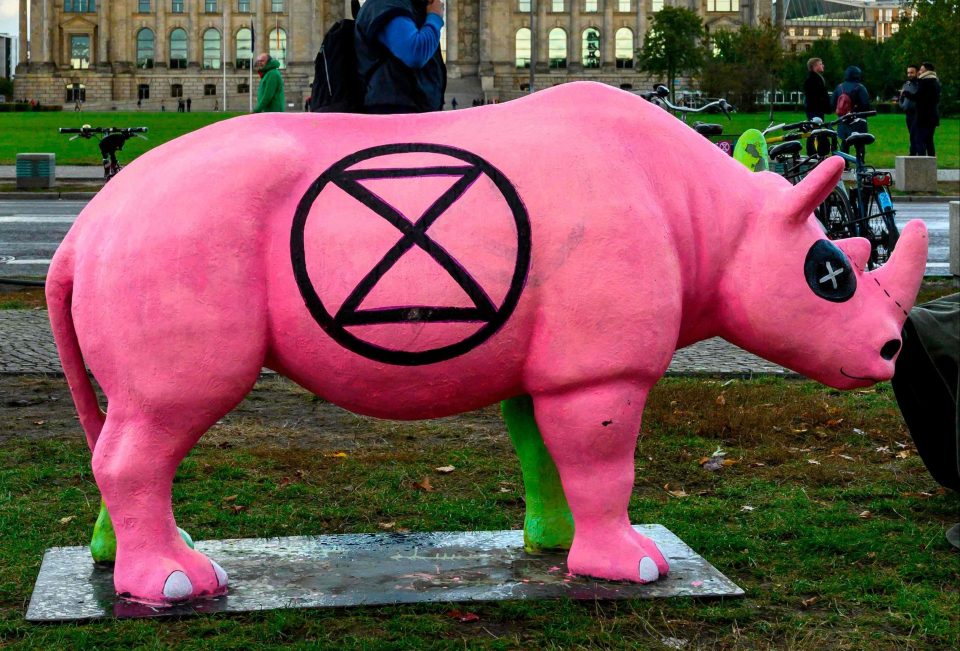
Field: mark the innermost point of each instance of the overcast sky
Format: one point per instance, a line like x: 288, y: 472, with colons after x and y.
x: 8, y: 17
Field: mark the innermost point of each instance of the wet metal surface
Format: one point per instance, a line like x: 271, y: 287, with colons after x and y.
x: 369, y: 569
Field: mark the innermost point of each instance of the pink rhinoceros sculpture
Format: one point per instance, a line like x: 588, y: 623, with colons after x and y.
x: 560, y: 247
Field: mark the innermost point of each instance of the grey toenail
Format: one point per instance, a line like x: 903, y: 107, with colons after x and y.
x: 177, y: 586
x: 221, y: 575
x: 648, y: 570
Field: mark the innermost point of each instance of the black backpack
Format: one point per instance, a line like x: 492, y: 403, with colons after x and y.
x: 337, y: 88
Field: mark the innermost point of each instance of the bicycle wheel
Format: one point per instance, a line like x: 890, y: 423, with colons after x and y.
x: 835, y: 213
x: 881, y: 228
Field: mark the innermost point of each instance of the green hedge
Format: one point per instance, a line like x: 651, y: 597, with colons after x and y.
x: 24, y: 107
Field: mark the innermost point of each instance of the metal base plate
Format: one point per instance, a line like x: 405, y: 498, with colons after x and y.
x: 369, y: 569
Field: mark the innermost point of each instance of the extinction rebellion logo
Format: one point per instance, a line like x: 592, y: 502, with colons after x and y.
x: 349, y: 175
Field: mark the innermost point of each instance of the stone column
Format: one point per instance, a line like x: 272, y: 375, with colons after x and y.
x: 48, y: 26
x: 262, y: 31
x: 575, y: 53
x: 543, y: 36
x: 24, y: 33
x: 485, y: 58
x: 453, y: 29
x: 103, y: 32
x: 162, y: 51
x: 194, y: 35
x: 608, y: 55
x: 641, y: 30
x: 226, y: 39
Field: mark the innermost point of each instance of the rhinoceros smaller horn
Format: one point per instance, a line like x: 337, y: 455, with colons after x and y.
x: 801, y: 199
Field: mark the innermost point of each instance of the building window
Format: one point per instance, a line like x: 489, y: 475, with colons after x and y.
x: 557, y: 5
x: 243, y: 87
x: 523, y: 5
x: 210, y: 6
x: 79, y: 6
x: 591, y: 5
x: 723, y: 5
x: 143, y: 91
x: 209, y: 90
x: 656, y: 5
x: 145, y: 42
x: 278, y: 46
x: 143, y: 6
x: 624, y: 47
x: 211, y: 49
x: 523, y: 41
x: 244, y: 54
x: 79, y: 51
x: 276, y: 6
x: 178, y: 49
x: 590, y: 51
x: 76, y: 93
x: 624, y: 5
x: 243, y: 6
x: 557, y: 41
x: 176, y: 90
x: 176, y: 6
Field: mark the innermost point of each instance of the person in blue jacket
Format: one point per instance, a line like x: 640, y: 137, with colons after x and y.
x: 398, y: 55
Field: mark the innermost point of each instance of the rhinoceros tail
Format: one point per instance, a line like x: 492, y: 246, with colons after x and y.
x: 59, y: 292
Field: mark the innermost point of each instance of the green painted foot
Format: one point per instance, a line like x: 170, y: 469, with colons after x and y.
x: 548, y: 523
x: 103, y: 545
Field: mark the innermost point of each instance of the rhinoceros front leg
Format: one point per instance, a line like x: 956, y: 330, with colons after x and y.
x: 591, y: 433
x: 103, y: 542
x: 134, y: 463
x: 548, y: 523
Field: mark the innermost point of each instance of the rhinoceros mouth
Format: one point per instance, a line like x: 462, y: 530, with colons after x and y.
x: 858, y: 377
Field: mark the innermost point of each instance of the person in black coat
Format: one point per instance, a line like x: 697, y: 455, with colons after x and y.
x: 927, y: 100
x: 816, y: 100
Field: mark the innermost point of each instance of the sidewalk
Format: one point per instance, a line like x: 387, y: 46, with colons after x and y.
x: 26, y: 347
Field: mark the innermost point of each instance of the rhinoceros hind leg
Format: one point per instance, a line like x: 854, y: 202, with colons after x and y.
x: 591, y: 434
x: 548, y: 523
x: 103, y: 543
x: 134, y: 463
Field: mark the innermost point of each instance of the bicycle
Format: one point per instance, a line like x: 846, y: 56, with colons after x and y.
x: 659, y: 96
x: 111, y: 140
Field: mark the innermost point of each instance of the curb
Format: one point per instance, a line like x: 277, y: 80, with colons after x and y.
x: 923, y: 199
x: 46, y: 196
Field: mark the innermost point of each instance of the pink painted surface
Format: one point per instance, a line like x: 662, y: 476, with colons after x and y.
x: 176, y: 285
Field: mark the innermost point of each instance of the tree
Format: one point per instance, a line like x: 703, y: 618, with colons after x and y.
x: 744, y: 63
x: 674, y: 44
x: 934, y: 35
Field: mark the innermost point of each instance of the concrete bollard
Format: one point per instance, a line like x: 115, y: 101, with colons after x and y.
x: 915, y: 173
x: 36, y: 171
x: 954, y: 235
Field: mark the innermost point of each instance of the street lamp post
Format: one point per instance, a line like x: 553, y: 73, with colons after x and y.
x: 533, y: 43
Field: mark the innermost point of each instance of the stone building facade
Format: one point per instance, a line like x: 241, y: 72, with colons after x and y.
x: 112, y: 53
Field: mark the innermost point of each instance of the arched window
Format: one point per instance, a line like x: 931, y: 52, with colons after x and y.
x: 244, y: 43
x: 523, y: 47
x: 591, y: 48
x: 624, y: 47
x: 277, y: 42
x: 558, y: 48
x: 145, y: 42
x: 178, y: 48
x: 211, y: 49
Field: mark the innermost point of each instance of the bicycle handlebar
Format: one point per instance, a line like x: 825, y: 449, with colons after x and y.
x: 104, y: 130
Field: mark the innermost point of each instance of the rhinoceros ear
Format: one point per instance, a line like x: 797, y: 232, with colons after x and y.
x: 801, y: 200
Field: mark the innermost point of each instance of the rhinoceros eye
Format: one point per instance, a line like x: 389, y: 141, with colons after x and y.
x: 828, y: 272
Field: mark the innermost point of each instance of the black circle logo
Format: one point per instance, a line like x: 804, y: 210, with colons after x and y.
x: 467, y: 168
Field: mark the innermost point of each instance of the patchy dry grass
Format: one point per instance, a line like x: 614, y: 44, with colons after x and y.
x: 841, y: 546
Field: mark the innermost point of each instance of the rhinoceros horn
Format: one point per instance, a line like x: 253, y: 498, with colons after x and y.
x: 903, y: 272
x: 799, y: 201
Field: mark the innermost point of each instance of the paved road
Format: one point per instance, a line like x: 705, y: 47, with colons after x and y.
x: 30, y: 232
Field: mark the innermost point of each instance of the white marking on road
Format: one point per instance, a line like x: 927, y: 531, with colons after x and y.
x: 27, y: 261
x: 37, y: 219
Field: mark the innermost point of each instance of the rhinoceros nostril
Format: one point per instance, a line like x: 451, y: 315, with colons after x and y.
x: 890, y: 349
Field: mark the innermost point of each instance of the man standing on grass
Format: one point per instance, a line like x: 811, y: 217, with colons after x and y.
x: 816, y: 100
x: 909, y: 106
x: 270, y: 97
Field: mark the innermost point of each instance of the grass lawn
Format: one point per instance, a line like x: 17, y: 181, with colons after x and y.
x: 842, y: 545
x: 37, y: 132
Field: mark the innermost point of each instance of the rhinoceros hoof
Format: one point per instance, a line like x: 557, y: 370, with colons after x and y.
x: 617, y: 557
x: 189, y: 575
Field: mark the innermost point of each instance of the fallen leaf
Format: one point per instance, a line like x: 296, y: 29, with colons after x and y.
x: 883, y: 449
x: 503, y: 490
x: 445, y: 470
x: 747, y: 508
x: 800, y: 431
x: 903, y: 454
x: 236, y: 508
x: 731, y: 462
x: 871, y: 554
x: 866, y: 515
x: 677, y: 493
x: 461, y: 616
x: 386, y: 526
x: 424, y: 485
x: 39, y: 422
x: 336, y: 455
x: 833, y: 422
x: 757, y: 464
x: 846, y: 456
x: 813, y: 462
x: 721, y: 400
x: 229, y: 498
x: 857, y: 430
x: 806, y: 603
x: 900, y: 445
x: 68, y: 519
x: 922, y: 495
